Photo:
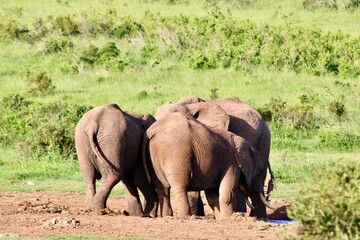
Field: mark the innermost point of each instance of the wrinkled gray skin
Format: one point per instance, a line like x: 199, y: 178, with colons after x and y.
x: 182, y: 154
x: 244, y: 121
x: 108, y: 144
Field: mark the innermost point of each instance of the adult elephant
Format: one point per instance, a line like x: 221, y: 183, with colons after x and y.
x: 108, y: 143
x: 182, y: 154
x: 244, y: 121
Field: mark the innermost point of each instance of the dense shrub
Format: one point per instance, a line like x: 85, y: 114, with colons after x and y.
x: 40, y: 84
x: 127, y: 27
x: 108, y: 55
x: 212, y: 41
x: 39, y: 129
x: 66, y: 25
x: 338, y: 108
x: 298, y: 117
x: 12, y: 123
x: 342, y: 141
x: 55, y: 45
x: 50, y: 129
x: 330, y: 209
x: 343, y: 4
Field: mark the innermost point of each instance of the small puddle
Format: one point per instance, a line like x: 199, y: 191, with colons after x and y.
x: 281, y: 221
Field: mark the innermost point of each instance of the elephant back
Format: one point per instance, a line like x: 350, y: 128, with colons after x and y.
x: 245, y: 121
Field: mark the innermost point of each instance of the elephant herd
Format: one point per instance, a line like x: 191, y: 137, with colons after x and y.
x: 220, y: 147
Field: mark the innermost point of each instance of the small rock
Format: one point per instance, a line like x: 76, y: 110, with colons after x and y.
x: 54, y: 221
x: 31, y: 183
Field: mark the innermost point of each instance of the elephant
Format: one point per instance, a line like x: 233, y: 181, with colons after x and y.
x: 243, y: 120
x: 185, y: 155
x: 108, y: 144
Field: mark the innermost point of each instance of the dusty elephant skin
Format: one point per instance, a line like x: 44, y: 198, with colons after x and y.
x: 108, y: 143
x: 237, y: 117
x: 186, y: 155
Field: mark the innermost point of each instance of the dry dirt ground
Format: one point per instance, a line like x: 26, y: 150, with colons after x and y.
x: 40, y: 214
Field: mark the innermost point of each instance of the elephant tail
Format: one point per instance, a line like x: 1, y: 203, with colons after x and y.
x: 91, y: 131
x: 145, y: 155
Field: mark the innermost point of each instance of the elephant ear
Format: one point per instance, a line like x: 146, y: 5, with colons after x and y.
x: 210, y: 115
x: 147, y: 121
x: 244, y: 155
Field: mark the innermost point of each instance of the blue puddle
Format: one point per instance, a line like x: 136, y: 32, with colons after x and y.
x: 281, y: 221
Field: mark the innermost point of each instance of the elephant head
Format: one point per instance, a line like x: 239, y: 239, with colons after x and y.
x: 189, y: 100
x: 168, y: 108
x: 208, y: 114
x: 146, y: 120
x: 252, y: 167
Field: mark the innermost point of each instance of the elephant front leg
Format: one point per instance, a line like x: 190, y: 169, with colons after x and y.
x: 212, y: 197
x: 240, y: 205
x: 196, y: 203
x: 227, y: 196
x: 260, y: 209
x: 151, y: 202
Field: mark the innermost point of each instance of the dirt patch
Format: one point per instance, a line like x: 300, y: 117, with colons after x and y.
x: 40, y: 214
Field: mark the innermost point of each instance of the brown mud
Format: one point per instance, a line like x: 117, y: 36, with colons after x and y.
x: 41, y: 214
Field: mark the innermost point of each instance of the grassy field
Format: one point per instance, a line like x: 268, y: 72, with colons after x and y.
x: 296, y: 154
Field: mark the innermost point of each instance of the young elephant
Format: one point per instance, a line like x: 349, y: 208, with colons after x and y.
x: 181, y: 153
x: 108, y: 143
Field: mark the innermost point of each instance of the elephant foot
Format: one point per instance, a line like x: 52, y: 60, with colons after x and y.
x: 238, y: 216
x: 136, y: 212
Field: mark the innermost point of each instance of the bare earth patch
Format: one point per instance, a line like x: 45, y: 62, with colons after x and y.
x: 41, y: 214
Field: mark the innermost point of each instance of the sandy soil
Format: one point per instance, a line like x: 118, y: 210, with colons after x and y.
x: 38, y: 214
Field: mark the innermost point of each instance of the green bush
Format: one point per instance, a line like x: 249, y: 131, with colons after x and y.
x: 39, y: 129
x: 299, y: 117
x: 342, y: 141
x: 50, y: 129
x: 330, y: 209
x: 338, y: 108
x: 108, y: 55
x: 128, y: 27
x: 55, y: 45
x: 66, y: 25
x: 208, y: 42
x: 12, y: 123
x: 40, y: 84
x: 343, y: 4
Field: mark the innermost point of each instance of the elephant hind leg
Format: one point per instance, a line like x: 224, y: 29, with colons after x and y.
x: 182, y: 201
x: 90, y: 175
x: 164, y: 200
x: 101, y: 196
x: 132, y: 197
